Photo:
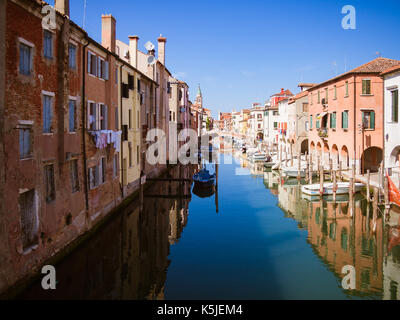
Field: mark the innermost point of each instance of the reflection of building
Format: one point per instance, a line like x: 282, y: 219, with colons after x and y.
x: 128, y: 257
x: 341, y: 240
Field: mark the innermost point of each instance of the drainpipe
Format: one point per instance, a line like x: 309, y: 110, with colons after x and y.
x: 122, y: 128
x: 84, y: 123
x: 355, y: 118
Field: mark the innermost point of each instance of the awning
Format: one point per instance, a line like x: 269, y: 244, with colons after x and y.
x: 323, y: 114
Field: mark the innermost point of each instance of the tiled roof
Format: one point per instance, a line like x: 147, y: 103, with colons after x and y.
x: 377, y: 65
x: 391, y: 69
x: 286, y: 93
x: 298, y: 96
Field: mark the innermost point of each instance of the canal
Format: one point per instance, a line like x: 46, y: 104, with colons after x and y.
x: 256, y: 238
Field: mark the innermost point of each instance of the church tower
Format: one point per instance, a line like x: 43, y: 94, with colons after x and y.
x: 199, y: 98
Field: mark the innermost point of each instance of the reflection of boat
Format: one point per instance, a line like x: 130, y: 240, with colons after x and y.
x: 342, y: 188
x: 203, y: 178
x: 258, y: 156
x: 202, y: 192
x: 340, y: 198
x: 293, y: 172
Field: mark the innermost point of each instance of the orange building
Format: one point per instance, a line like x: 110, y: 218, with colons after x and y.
x: 346, y: 117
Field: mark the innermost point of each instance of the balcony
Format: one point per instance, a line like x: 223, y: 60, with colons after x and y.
x: 323, y: 133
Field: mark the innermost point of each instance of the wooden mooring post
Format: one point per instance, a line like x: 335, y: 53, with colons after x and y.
x: 375, y: 208
x: 351, y: 196
x: 321, y: 181
x: 368, y: 185
x: 334, y: 187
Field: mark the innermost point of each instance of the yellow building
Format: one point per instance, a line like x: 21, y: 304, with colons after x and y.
x: 129, y: 110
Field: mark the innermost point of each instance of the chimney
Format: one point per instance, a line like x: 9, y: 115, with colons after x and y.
x: 133, y: 47
x: 62, y: 6
x: 282, y: 91
x: 161, y: 49
x: 108, y: 33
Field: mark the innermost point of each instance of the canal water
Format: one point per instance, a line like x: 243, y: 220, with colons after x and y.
x: 254, y: 238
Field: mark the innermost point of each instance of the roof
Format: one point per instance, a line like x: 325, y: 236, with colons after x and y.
x: 285, y: 92
x: 377, y: 66
x: 307, y: 84
x: 391, y: 70
x: 298, y: 96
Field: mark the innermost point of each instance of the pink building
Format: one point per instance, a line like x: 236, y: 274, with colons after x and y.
x: 346, y: 117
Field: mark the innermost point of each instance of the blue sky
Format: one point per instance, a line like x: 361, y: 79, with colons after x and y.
x: 245, y: 51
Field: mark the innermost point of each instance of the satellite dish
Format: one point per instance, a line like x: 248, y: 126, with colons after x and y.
x: 151, y: 60
x: 149, y: 46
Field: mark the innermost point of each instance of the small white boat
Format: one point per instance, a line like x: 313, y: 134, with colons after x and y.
x: 258, y: 156
x: 342, y: 188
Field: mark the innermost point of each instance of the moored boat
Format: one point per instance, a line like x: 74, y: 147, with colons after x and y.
x: 342, y: 188
x: 204, y: 179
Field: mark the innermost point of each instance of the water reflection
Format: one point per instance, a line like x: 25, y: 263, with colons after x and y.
x: 128, y: 257
x: 340, y: 238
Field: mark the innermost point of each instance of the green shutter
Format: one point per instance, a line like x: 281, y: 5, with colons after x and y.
x: 311, y: 122
x: 372, y: 120
x: 362, y: 118
x: 395, y: 106
x: 364, y: 86
x: 334, y: 120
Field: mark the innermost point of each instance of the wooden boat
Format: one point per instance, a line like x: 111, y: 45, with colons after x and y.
x: 204, y: 179
x: 342, y: 188
x: 202, y: 192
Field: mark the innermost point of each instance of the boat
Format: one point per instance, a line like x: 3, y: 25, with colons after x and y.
x: 342, y: 188
x: 293, y: 172
x: 202, y: 192
x: 257, y: 156
x: 203, y: 178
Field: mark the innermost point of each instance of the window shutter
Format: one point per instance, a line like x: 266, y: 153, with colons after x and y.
x: 363, y: 117
x: 95, y: 117
x: 71, y: 117
x: 364, y: 86
x: 89, y: 61
x: 372, y: 120
x: 105, y: 117
x: 116, y: 119
x: 88, y: 114
x: 107, y: 70
x: 99, y: 67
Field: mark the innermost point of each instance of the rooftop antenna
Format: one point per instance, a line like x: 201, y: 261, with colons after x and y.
x: 84, y: 14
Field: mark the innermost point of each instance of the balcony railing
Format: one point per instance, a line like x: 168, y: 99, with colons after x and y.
x: 323, y: 133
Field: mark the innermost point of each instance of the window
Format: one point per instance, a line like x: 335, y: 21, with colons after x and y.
x: 116, y: 75
x: 49, y: 183
x: 305, y: 107
x: 72, y: 56
x: 103, y: 69
x: 368, y: 120
x: 125, y: 90
x: 130, y: 154
x: 333, y: 120
x: 345, y: 119
x: 137, y: 155
x: 335, y: 92
x: 139, y: 85
x: 115, y: 165
x: 275, y: 125
x: 74, y: 176
x: 47, y: 113
x: 131, y: 82
x: 347, y: 89
x: 319, y: 97
x: 29, y: 219
x: 72, y: 116
x: 317, y: 122
x: 259, y: 126
x: 366, y: 86
x: 275, y: 113
x: 138, y: 120
x: 395, y: 105
x: 130, y: 119
x: 94, y: 177
x: 92, y: 108
x: 92, y: 64
x: 103, y: 117
x: 180, y: 95
x: 311, y: 122
x: 25, y: 59
x: 25, y: 142
x: 48, y: 44
x: 103, y: 167
x: 116, y: 118
x: 306, y: 126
